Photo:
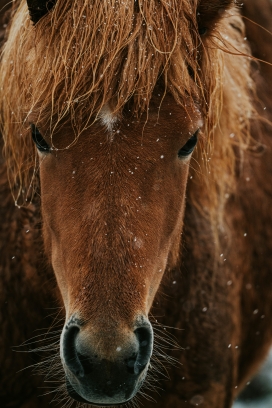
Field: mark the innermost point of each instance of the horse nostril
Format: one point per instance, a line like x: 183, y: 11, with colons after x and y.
x: 70, y: 355
x: 137, y: 363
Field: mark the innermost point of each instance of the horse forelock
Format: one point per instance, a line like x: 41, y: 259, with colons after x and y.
x: 85, y: 60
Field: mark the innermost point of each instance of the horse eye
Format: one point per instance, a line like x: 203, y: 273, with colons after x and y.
x: 39, y: 141
x: 188, y: 148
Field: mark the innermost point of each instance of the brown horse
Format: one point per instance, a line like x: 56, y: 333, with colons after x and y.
x: 140, y: 131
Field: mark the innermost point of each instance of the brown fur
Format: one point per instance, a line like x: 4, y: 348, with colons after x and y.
x: 221, y: 301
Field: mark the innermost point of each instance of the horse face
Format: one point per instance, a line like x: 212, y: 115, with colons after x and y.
x: 112, y: 206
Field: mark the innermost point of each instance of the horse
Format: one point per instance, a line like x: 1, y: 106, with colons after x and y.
x: 135, y: 201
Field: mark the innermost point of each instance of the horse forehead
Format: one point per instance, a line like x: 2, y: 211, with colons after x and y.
x: 165, y: 122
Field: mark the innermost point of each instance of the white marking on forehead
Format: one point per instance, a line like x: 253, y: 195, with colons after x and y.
x: 108, y: 118
x: 199, y: 123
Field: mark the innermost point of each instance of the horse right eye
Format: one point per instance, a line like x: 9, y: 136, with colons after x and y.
x: 39, y: 141
x: 188, y: 148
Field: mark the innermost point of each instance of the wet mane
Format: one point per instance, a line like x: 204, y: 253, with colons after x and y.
x: 83, y: 55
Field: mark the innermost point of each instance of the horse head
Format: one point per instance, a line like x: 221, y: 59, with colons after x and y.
x: 112, y: 208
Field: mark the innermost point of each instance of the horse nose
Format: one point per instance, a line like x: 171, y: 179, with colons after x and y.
x: 135, y: 359
x: 106, y: 378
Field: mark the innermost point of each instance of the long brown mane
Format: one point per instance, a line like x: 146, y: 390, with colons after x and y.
x: 83, y: 55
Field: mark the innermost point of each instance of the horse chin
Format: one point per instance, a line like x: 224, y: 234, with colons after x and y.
x: 73, y: 394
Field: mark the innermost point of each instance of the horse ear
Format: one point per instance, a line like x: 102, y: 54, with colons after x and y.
x: 210, y: 11
x: 38, y: 8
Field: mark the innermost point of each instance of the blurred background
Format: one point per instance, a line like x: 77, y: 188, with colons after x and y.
x: 258, y: 393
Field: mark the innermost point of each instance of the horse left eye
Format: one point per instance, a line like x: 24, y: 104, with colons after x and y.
x: 39, y: 141
x: 188, y: 148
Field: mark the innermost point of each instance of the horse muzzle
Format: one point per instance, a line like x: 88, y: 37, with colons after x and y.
x: 107, y: 375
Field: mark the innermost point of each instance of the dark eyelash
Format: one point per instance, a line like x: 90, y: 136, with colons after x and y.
x: 39, y: 141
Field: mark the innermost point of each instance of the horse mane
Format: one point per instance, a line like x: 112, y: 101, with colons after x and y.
x: 83, y: 55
